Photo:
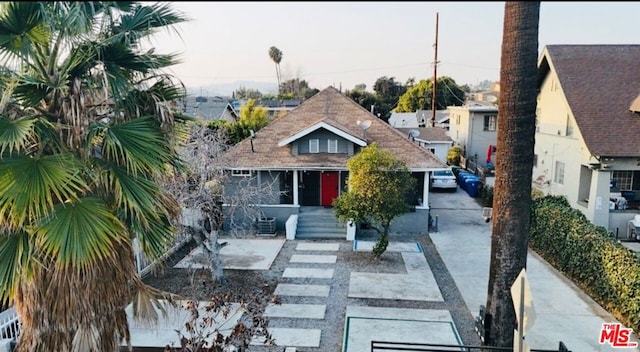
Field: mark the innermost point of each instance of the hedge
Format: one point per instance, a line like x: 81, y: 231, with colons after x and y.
x: 597, y: 263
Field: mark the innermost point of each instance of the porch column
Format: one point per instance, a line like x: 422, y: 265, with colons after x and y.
x: 295, y: 187
x: 598, y: 208
x: 425, y: 190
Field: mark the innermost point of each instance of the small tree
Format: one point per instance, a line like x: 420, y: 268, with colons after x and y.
x: 378, y: 186
x: 453, y: 155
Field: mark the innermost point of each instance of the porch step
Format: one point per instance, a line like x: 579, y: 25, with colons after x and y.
x: 320, y: 223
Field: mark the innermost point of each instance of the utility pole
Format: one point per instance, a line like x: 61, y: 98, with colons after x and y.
x: 435, y: 78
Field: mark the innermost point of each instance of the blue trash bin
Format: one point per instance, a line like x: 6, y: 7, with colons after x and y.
x: 472, y: 184
x: 462, y: 177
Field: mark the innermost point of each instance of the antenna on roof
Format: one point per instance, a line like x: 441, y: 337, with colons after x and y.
x: 253, y: 135
x: 413, y: 134
x: 364, y: 126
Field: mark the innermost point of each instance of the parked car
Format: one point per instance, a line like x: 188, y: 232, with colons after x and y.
x: 443, y: 179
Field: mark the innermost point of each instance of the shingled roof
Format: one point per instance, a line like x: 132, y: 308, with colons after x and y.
x: 334, y: 109
x: 600, y: 82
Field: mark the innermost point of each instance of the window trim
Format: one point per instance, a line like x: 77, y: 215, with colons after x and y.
x: 490, y: 123
x: 332, y: 146
x: 314, y: 146
x: 241, y: 173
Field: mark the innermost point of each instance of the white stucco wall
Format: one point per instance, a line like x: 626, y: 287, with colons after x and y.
x: 558, y: 140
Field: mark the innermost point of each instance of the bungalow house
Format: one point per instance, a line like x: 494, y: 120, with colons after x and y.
x: 473, y: 127
x: 306, y: 151
x: 588, y: 122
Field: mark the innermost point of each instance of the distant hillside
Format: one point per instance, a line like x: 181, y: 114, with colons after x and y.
x: 227, y: 89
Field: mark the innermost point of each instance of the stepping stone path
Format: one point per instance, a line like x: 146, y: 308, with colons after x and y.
x: 314, y: 278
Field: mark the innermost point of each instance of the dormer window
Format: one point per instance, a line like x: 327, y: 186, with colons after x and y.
x: 314, y: 146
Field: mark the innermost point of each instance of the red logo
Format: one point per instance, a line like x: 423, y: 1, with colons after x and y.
x: 616, y: 335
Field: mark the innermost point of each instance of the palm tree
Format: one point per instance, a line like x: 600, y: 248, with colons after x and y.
x: 276, y: 56
x: 85, y: 128
x: 514, y: 164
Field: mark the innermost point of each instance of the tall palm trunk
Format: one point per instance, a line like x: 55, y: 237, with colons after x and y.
x: 514, y: 164
x: 66, y: 307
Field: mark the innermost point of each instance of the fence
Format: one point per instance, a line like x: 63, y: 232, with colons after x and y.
x: 378, y: 346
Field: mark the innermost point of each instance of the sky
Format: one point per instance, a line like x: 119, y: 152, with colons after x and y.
x: 343, y: 44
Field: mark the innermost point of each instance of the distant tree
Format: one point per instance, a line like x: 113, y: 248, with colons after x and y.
x: 296, y: 88
x: 360, y: 87
x: 514, y: 164
x: 252, y: 118
x: 388, y: 91
x: 362, y: 97
x: 419, y: 96
x: 411, y: 81
x: 247, y: 93
x: 378, y: 186
x: 276, y: 56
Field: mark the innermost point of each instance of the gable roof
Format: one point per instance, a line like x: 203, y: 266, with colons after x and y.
x: 599, y: 82
x: 333, y: 111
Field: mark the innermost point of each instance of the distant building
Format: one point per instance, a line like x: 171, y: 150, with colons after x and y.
x: 210, y: 108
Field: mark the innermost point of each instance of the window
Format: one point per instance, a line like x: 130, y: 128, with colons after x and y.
x: 457, y: 119
x: 535, y: 160
x: 244, y: 173
x: 624, y: 179
x: 314, y: 146
x: 559, y: 175
x: 432, y: 150
x: 332, y: 145
x: 569, y: 131
x: 490, y: 122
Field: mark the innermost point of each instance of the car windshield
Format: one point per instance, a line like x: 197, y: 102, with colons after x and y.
x: 443, y: 173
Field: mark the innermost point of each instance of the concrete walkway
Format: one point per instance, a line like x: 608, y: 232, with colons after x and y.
x: 564, y: 312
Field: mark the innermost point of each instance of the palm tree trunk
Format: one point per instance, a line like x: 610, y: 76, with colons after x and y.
x: 514, y: 164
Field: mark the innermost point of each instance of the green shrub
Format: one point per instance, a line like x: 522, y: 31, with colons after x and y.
x: 604, y: 268
x: 453, y: 155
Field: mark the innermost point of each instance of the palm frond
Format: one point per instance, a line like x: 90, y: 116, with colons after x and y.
x: 31, y: 186
x: 15, y: 252
x: 144, y: 20
x: 155, y: 238
x: 22, y: 28
x: 80, y: 232
x: 16, y: 134
x: 137, y: 195
x: 137, y: 145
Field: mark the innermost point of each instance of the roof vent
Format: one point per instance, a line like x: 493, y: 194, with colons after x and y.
x: 635, y: 105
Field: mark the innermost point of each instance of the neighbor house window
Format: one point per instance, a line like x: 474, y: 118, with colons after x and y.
x: 624, y: 180
x: 314, y: 146
x: 569, y: 131
x: 245, y: 173
x: 559, y: 175
x: 490, y: 122
x: 332, y: 145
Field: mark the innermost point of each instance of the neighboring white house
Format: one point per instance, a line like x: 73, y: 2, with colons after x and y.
x: 435, y: 139
x: 587, y: 130
x: 415, y: 119
x: 473, y: 127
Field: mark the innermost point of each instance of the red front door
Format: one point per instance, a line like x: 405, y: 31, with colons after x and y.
x: 328, y: 187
